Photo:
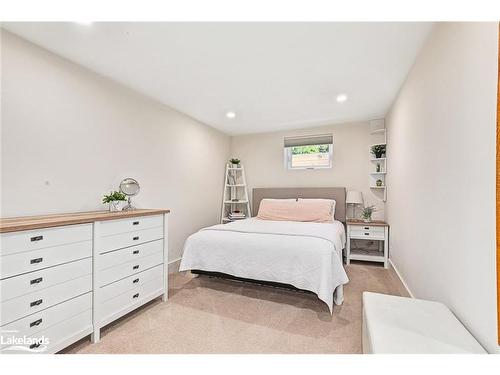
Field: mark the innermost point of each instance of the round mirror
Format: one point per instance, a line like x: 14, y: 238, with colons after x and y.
x: 130, y: 188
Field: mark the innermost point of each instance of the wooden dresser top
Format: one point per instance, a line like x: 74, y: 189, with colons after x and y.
x: 16, y: 224
x: 373, y: 223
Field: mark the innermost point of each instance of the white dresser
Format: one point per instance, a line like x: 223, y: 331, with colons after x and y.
x: 131, y: 268
x: 63, y: 277
x: 46, y: 287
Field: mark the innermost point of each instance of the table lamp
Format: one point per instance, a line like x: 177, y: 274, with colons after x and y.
x: 354, y: 198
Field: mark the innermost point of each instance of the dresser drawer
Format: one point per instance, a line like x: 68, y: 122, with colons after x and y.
x: 38, y: 280
x: 19, y: 263
x: 130, y: 268
x: 56, y: 335
x: 131, y: 298
x: 18, y: 242
x: 368, y: 228
x: 117, y: 257
x: 48, y: 317
x: 28, y: 304
x: 117, y: 241
x: 367, y: 231
x: 121, y: 286
x: 130, y: 225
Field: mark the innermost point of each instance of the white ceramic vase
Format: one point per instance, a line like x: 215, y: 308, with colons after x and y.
x: 115, y: 206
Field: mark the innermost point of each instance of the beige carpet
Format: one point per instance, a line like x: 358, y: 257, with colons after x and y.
x: 210, y: 315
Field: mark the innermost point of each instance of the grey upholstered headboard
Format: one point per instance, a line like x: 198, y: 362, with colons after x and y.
x: 337, y: 193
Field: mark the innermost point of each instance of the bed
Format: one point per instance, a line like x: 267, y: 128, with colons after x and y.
x: 304, y: 255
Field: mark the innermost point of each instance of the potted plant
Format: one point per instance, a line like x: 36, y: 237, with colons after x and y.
x: 367, y: 212
x: 235, y: 163
x: 378, y: 151
x: 115, y: 199
x: 379, y: 182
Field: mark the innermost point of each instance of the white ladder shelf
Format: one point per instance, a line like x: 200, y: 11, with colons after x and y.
x: 235, y: 197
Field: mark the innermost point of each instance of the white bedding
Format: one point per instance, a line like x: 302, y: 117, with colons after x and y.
x: 305, y: 255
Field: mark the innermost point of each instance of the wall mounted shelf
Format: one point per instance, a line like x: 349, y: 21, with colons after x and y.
x: 379, y: 133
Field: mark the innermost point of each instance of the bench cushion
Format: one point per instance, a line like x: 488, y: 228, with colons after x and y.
x: 394, y: 324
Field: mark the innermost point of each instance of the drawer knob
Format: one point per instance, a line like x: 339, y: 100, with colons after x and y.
x: 36, y: 303
x: 135, y: 238
x: 367, y: 234
x: 36, y: 260
x: 36, y: 281
x: 36, y: 345
x: 36, y: 238
x: 135, y: 295
x: 367, y: 227
x: 135, y: 281
x: 135, y: 252
x: 36, y: 323
x: 135, y: 223
x: 135, y: 267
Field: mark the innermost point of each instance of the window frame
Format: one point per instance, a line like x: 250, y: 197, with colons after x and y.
x: 498, y: 193
x: 287, y: 157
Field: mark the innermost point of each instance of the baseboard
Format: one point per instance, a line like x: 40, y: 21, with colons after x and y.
x: 173, y: 265
x: 401, y: 278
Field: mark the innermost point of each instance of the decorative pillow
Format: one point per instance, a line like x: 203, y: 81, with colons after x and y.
x: 328, y: 202
x: 310, y: 210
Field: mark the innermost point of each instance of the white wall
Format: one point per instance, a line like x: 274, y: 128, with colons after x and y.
x: 441, y: 207
x: 262, y: 156
x: 69, y: 136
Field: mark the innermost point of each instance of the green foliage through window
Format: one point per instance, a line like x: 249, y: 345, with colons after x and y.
x: 316, y: 149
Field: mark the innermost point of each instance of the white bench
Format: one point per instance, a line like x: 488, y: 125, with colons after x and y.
x: 402, y: 325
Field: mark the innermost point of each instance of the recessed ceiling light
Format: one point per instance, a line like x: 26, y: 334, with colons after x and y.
x: 341, y: 98
x: 230, y: 114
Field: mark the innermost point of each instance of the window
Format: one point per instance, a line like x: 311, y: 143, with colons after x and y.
x: 309, y: 152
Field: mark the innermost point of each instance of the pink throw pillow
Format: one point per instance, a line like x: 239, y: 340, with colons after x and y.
x: 309, y: 210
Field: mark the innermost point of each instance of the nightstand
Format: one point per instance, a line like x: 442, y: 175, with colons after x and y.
x: 373, y: 231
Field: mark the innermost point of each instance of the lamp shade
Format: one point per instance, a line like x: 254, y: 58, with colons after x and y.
x: 354, y: 197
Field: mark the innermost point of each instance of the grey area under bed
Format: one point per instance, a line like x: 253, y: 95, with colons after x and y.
x: 252, y: 281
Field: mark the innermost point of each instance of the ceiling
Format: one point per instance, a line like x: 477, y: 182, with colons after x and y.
x: 274, y: 76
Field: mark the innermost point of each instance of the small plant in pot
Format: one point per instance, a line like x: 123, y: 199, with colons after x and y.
x: 378, y: 151
x: 115, y: 199
x: 379, y: 183
x: 367, y: 212
x: 235, y: 163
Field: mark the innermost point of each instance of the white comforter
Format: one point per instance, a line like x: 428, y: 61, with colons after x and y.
x: 305, y: 255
